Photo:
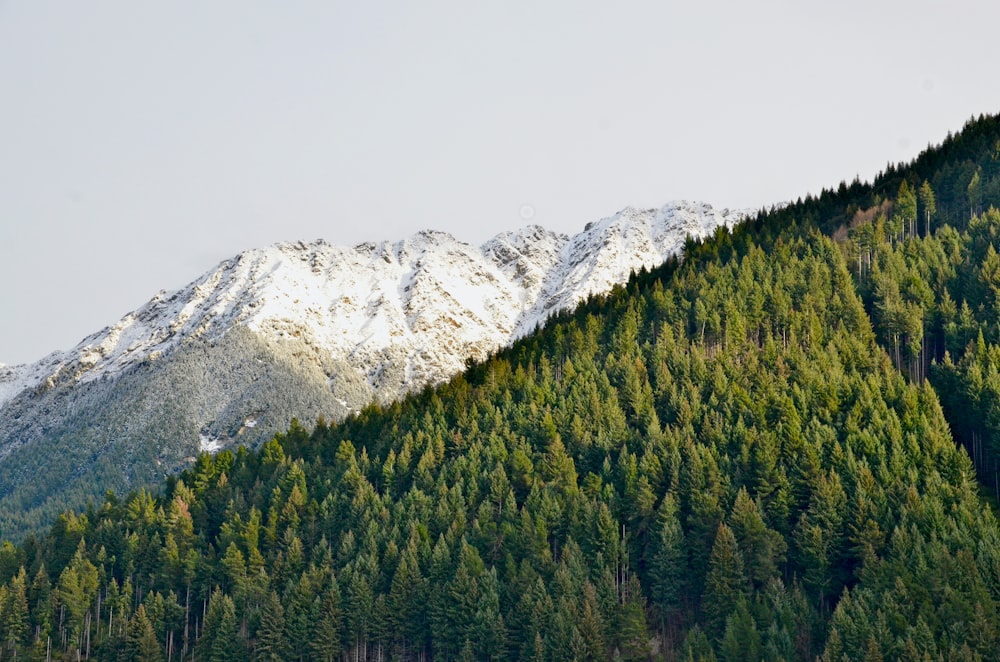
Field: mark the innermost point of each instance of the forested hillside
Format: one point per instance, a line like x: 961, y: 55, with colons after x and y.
x: 744, y: 455
x: 295, y: 330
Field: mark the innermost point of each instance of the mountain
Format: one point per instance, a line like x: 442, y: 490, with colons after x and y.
x: 747, y: 454
x: 297, y: 330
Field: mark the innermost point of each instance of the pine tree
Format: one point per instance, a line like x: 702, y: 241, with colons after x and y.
x: 14, y: 611
x: 741, y: 641
x: 220, y: 639
x: 76, y: 588
x: 488, y: 628
x: 906, y: 207
x: 140, y: 639
x: 763, y: 548
x: 591, y: 626
x: 463, y: 598
x: 408, y: 600
x: 975, y: 193
x: 928, y: 204
x: 271, y: 643
x: 326, y: 644
x: 819, y: 538
x: 696, y: 647
x: 726, y: 582
x: 301, y: 616
x: 632, y: 632
x: 669, y: 566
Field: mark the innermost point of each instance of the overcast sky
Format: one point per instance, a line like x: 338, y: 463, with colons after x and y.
x: 143, y: 142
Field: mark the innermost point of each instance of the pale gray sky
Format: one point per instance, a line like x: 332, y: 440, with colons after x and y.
x: 142, y: 142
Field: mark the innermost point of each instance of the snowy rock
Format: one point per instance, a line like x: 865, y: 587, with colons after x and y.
x: 401, y: 314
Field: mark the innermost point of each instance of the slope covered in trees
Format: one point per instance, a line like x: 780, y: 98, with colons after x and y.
x: 736, y: 457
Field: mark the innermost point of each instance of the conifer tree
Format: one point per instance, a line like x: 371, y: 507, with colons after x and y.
x: 906, y: 207
x: 326, y: 643
x: 220, y: 639
x: 14, y: 611
x: 974, y: 192
x: 591, y: 626
x: 408, y: 599
x: 271, y: 644
x: 140, y: 640
x: 632, y: 631
x: 697, y: 647
x: 928, y: 203
x: 669, y: 565
x: 76, y: 588
x: 763, y: 548
x: 726, y: 582
x: 741, y: 641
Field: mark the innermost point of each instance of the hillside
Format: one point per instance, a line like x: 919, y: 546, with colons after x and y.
x: 295, y: 331
x: 726, y: 459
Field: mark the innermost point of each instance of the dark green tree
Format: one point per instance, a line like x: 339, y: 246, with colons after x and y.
x: 726, y: 582
x: 326, y: 643
x: 140, y: 640
x: 271, y: 644
x: 220, y: 640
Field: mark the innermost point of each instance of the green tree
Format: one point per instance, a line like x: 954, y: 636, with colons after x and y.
x: 632, y: 631
x: 271, y: 643
x: 326, y: 643
x: 14, y: 611
x: 819, y: 537
x: 220, y: 641
x: 301, y: 616
x: 741, y: 641
x: 763, y: 548
x: 669, y: 565
x: 928, y: 203
x: 140, y: 639
x: 975, y: 193
x: 408, y: 600
x: 75, y: 590
x: 726, y: 582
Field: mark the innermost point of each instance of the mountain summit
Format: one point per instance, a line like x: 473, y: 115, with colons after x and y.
x: 303, y: 330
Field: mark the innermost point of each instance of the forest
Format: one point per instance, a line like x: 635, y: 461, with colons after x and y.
x: 781, y: 447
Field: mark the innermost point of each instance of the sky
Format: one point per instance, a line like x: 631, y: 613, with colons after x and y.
x: 143, y: 142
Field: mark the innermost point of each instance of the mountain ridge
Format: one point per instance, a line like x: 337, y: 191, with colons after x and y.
x: 552, y: 277
x: 297, y: 330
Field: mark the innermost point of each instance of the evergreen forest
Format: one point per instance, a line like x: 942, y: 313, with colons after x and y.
x: 783, y: 446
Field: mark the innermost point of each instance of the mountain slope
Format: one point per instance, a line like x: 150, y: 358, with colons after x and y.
x: 322, y: 330
x: 628, y: 483
x: 717, y: 462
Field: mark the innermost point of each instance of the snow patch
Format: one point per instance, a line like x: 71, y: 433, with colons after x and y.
x: 209, y: 444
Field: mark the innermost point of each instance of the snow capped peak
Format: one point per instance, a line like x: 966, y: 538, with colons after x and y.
x: 402, y: 314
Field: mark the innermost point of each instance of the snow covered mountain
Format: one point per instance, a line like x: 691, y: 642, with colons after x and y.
x: 304, y: 329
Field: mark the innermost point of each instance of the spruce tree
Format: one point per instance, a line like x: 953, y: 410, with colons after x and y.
x: 741, y: 641
x: 14, y: 611
x: 271, y: 643
x: 928, y: 203
x: 326, y: 644
x: 220, y: 635
x: 140, y: 639
x: 726, y: 582
x: 632, y: 631
x: 669, y: 565
x: 763, y: 548
x: 906, y: 207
